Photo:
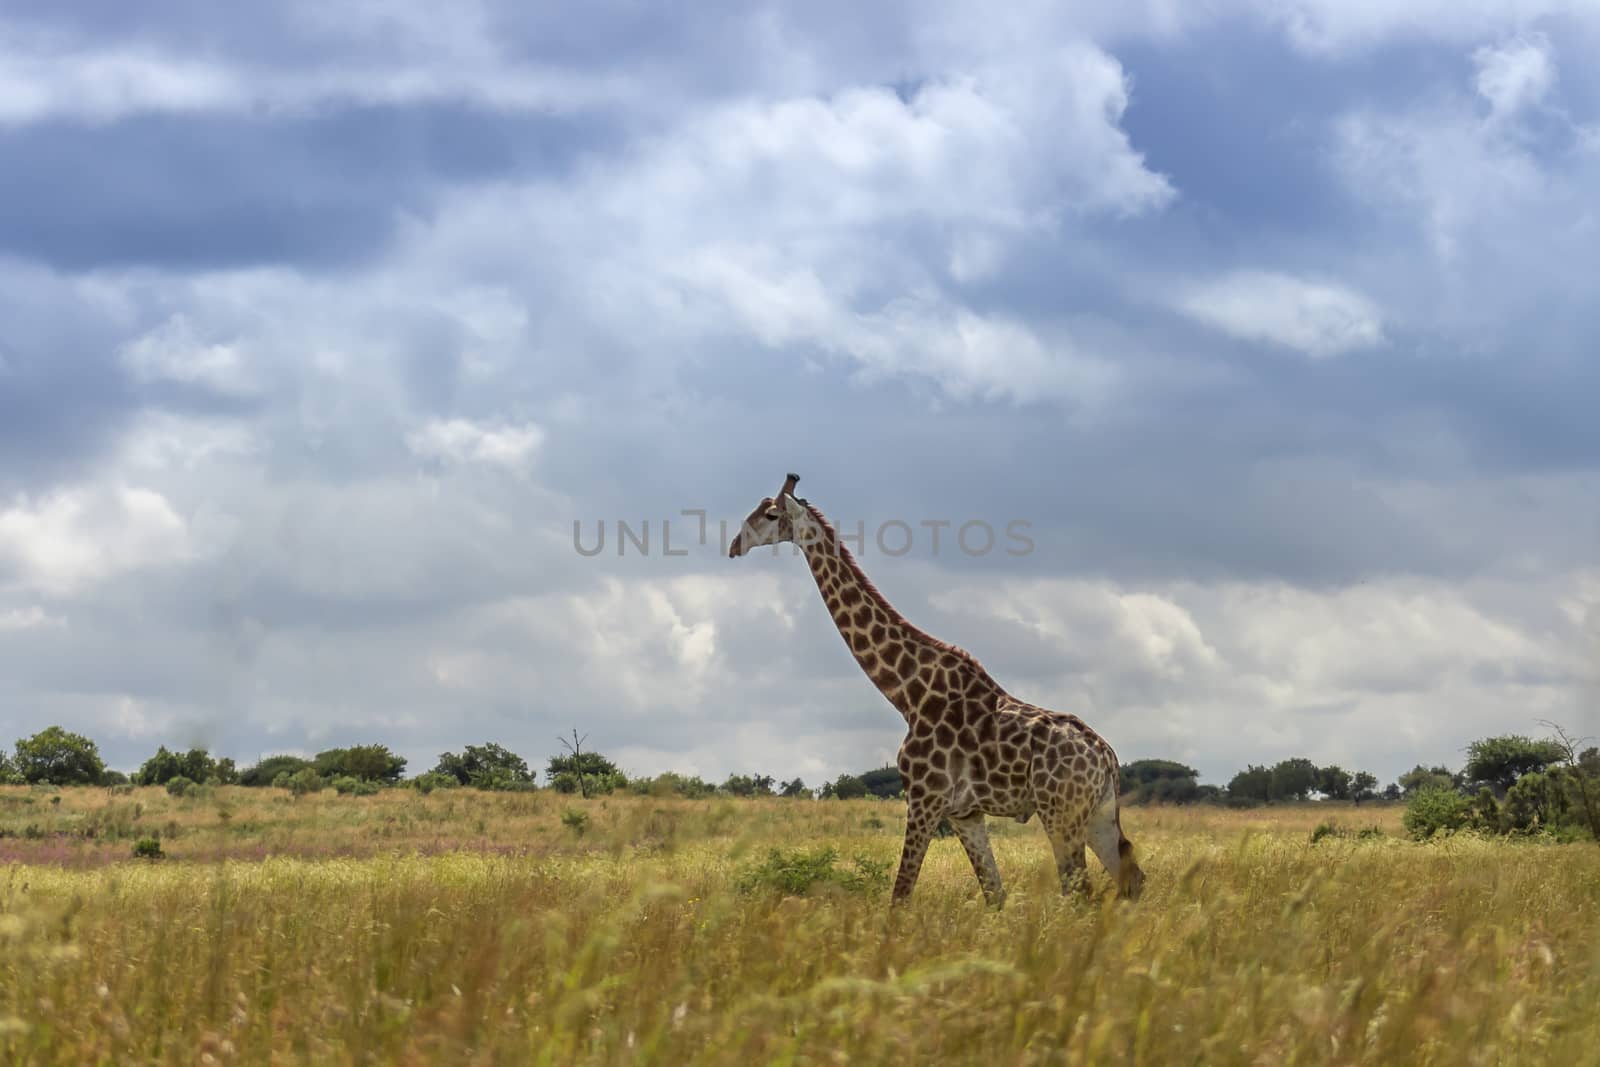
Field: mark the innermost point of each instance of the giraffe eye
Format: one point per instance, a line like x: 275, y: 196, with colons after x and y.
x: 773, y: 514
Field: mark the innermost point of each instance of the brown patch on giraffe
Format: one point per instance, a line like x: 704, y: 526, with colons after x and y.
x: 879, y: 632
x: 862, y: 617
x: 926, y: 655
x: 916, y: 691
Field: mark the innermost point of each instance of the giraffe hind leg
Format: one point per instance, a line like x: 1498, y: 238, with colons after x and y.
x: 974, y: 834
x: 1071, y: 864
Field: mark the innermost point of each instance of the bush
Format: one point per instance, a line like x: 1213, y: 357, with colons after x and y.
x: 306, y: 780
x: 797, y: 872
x: 345, y: 785
x: 180, y: 786
x: 147, y: 848
x: 669, y: 783
x: 1435, y: 808
x: 427, y: 783
x: 576, y: 821
x: 272, y: 768
x: 1535, y: 801
x: 1329, y: 829
x: 595, y: 784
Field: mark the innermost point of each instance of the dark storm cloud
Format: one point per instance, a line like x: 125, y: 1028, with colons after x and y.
x: 196, y: 192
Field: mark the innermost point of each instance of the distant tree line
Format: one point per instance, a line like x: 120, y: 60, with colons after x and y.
x: 1509, y: 784
x: 1158, y: 781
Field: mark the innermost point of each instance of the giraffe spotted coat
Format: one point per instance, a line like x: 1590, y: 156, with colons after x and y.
x: 971, y: 749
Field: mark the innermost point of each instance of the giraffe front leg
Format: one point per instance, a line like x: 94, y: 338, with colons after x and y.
x: 974, y: 834
x: 921, y: 818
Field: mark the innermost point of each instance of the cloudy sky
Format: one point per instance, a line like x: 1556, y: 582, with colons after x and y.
x: 322, y: 325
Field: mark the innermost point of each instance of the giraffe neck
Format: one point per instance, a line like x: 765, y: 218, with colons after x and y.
x: 897, y: 656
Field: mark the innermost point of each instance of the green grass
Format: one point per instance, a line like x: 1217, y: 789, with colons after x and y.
x: 481, y: 929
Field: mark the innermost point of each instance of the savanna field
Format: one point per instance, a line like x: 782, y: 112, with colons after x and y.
x: 482, y: 928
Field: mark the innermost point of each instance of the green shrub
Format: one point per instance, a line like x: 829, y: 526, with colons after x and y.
x: 346, y: 785
x: 427, y: 783
x: 305, y: 780
x: 1436, y: 808
x: 180, y: 786
x: 797, y: 872
x: 576, y: 821
x: 1536, y: 801
x: 147, y: 848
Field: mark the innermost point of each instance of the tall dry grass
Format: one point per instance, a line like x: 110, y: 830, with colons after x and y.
x: 631, y: 942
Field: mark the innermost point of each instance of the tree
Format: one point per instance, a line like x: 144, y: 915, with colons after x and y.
x: 487, y: 766
x: 1159, y: 780
x: 1252, y: 785
x: 59, y: 757
x: 1500, y: 761
x: 1392, y: 791
x: 9, y: 775
x: 370, y: 763
x: 1293, y: 779
x: 266, y: 771
x: 1145, y: 771
x: 584, y: 772
x: 746, y: 785
x: 844, y: 787
x: 1171, y: 791
x: 1579, y: 778
x: 1363, y: 786
x: 1334, y: 782
x: 1420, y: 777
x: 883, y: 782
x: 195, y: 765
x: 794, y: 788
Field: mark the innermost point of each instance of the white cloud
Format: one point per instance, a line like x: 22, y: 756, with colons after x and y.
x: 71, y: 539
x: 772, y: 219
x: 1319, y: 319
x: 1516, y: 74
x: 1229, y: 672
x: 464, y: 441
x: 172, y: 352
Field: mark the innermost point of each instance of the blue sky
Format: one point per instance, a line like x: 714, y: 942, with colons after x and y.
x: 321, y: 326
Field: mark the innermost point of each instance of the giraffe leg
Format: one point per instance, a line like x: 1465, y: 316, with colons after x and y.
x: 920, y: 821
x: 974, y: 834
x: 1071, y: 864
x: 1114, y: 849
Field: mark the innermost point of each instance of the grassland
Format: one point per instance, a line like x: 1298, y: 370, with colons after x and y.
x: 498, y: 928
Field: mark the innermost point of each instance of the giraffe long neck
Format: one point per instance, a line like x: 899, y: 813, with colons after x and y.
x: 896, y: 655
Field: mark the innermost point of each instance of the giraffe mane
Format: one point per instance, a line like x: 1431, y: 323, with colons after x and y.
x: 832, y: 540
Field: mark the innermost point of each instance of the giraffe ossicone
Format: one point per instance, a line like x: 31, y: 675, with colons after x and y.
x: 971, y: 749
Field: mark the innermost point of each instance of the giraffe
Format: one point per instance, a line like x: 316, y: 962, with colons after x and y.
x: 971, y: 749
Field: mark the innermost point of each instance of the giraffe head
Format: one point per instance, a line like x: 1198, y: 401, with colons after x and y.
x: 775, y: 520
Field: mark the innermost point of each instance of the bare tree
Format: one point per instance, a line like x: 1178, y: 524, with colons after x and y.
x: 575, y: 746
